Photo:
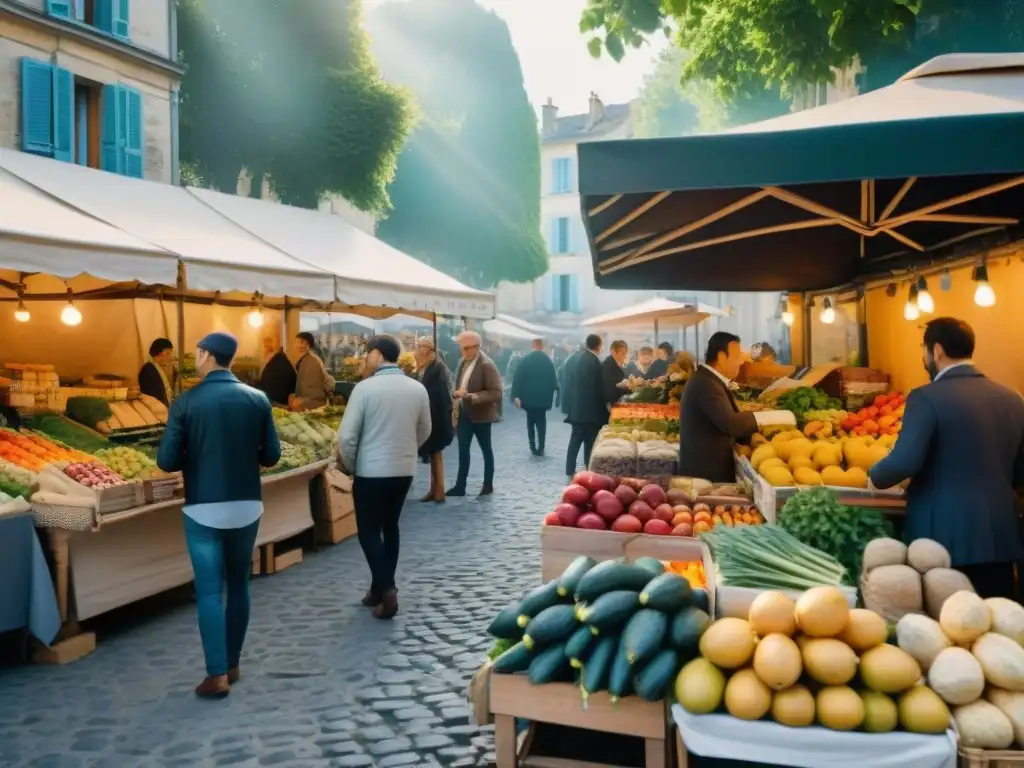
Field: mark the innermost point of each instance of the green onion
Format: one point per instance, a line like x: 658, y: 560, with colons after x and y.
x: 764, y: 556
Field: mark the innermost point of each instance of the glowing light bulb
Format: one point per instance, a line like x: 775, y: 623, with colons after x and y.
x: 925, y: 302
x: 787, y: 317
x: 255, y: 318
x: 70, y: 315
x: 21, y: 313
x: 828, y: 315
x: 910, y: 311
x: 984, y: 296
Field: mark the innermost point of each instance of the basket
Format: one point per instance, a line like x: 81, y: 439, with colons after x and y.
x: 990, y: 758
x: 65, y: 518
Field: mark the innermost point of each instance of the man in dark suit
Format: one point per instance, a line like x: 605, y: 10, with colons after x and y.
x: 709, y: 421
x: 153, y: 379
x: 565, y: 376
x: 660, y: 365
x: 962, y: 448
x: 613, y: 372
x: 588, y: 409
x: 533, y: 389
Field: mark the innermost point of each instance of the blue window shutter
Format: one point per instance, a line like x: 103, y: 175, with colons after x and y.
x: 59, y: 8
x: 563, y: 235
x: 549, y: 293
x: 574, y: 294
x: 554, y: 175
x: 568, y: 174
x: 119, y: 26
x: 36, y: 107
x: 133, y: 132
x: 111, y: 150
x: 63, y: 115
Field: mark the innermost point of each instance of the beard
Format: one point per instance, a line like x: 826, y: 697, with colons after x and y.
x: 933, y: 370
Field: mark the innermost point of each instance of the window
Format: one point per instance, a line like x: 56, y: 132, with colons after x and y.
x: 562, y: 293
x: 560, y: 235
x: 76, y: 121
x: 561, y: 175
x: 822, y: 99
x: 110, y: 16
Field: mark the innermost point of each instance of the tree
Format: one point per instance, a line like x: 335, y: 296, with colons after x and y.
x: 746, y: 46
x: 289, y: 91
x: 467, y: 191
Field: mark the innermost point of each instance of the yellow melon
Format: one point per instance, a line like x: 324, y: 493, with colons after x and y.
x: 777, y: 661
x: 880, y: 712
x: 728, y: 643
x: 922, y: 711
x: 864, y: 630
x: 700, y: 686
x: 746, y: 697
x: 888, y: 669
x: 829, y: 661
x: 793, y: 707
x: 839, y: 708
x: 822, y: 612
x: 772, y: 612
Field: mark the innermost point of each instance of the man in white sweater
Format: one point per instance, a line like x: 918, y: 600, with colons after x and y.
x: 385, y: 423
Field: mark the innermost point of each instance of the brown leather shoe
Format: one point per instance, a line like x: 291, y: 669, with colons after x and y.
x: 487, y: 490
x: 234, y: 675
x: 213, y: 688
x: 371, y: 599
x: 388, y: 606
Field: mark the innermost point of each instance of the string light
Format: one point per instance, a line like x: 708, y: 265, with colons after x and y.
x: 984, y: 296
x: 911, y: 310
x: 70, y: 315
x: 784, y: 312
x: 21, y: 314
x: 828, y: 314
x: 925, y: 302
x: 255, y: 317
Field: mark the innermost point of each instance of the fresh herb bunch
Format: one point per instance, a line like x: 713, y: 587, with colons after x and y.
x: 805, y: 399
x: 817, y: 519
x: 500, y: 646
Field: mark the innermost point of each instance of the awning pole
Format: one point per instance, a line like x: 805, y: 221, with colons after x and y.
x: 182, y: 287
x: 655, y: 331
x: 435, y: 330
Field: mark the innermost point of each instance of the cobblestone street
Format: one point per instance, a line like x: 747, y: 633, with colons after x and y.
x: 324, y: 684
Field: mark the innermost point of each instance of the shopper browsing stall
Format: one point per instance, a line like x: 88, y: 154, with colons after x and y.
x: 314, y: 386
x: 153, y: 379
x: 436, y: 379
x: 659, y: 367
x: 613, y: 372
x: 277, y: 374
x: 588, y: 410
x: 962, y: 448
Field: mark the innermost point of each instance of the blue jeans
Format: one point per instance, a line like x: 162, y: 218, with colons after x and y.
x: 219, y: 556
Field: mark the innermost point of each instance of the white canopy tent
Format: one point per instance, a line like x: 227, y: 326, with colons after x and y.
x: 538, y: 331
x: 657, y: 313
x: 502, y: 330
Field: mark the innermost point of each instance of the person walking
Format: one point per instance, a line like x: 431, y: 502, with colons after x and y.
x: 478, y: 392
x: 962, y: 448
x: 588, y: 409
x: 386, y: 421
x: 533, y: 390
x: 436, y: 379
x: 218, y: 436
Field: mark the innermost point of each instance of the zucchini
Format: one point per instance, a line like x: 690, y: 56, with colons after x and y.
x: 687, y: 627
x: 595, y: 671
x: 611, y: 611
x: 551, y: 625
x: 644, y: 635
x: 505, y: 625
x: 652, y: 682
x: 571, y: 576
x: 550, y: 666
x: 577, y: 646
x: 652, y: 564
x: 536, y: 600
x: 669, y: 592
x: 699, y: 599
x: 611, y: 576
x: 620, y: 677
x: 515, y: 659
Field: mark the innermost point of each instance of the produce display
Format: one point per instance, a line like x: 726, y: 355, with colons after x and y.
x: 33, y: 452
x: 14, y: 481
x: 128, y: 462
x: 766, y: 557
x: 660, y: 419
x: 302, y: 430
x: 93, y: 475
x: 614, y: 626
x: 66, y: 432
x: 883, y: 417
x: 349, y: 369
x: 812, y: 661
x: 330, y: 416
x: 292, y: 457
x: 804, y: 399
x: 816, y: 518
x: 790, y: 458
x: 614, y: 456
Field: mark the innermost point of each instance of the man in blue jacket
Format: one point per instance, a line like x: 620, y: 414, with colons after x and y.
x: 218, y: 436
x: 962, y: 448
x: 533, y: 390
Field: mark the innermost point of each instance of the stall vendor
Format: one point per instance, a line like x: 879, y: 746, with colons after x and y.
x: 710, y: 422
x: 313, y: 384
x: 277, y: 374
x: 153, y: 379
x: 962, y: 448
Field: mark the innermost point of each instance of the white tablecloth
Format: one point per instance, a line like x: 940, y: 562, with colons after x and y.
x: 727, y: 738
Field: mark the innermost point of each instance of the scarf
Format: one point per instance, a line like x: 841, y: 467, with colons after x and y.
x: 163, y: 378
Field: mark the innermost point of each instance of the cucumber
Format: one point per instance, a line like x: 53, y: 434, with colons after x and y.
x: 669, y: 592
x: 687, y: 627
x: 551, y: 625
x: 515, y: 659
x: 536, y: 600
x: 550, y: 666
x: 611, y: 611
x: 505, y: 625
x: 599, y: 664
x: 652, y: 564
x: 620, y: 677
x: 571, y: 576
x: 652, y: 682
x: 611, y: 576
x: 644, y: 635
x: 577, y: 646
x: 699, y: 599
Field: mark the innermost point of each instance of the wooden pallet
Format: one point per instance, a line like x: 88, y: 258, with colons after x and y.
x: 512, y: 696
x: 990, y: 758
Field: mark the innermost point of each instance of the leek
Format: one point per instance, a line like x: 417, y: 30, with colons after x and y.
x: 764, y: 556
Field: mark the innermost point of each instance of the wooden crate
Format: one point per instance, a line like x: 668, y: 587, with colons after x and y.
x: 513, y: 696
x: 335, y: 531
x: 990, y: 758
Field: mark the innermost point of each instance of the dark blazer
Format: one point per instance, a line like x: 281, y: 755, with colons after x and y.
x: 277, y: 380
x: 962, y: 447
x: 611, y: 375
x: 436, y: 380
x: 150, y: 383
x: 587, y: 403
x: 709, y: 426
x: 485, y: 384
x: 657, y: 369
x: 535, y: 382
x: 566, y: 378
x: 632, y: 369
x: 218, y: 436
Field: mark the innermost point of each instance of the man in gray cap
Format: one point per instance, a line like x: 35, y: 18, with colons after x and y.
x: 218, y: 436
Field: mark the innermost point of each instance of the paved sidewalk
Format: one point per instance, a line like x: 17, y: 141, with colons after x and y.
x: 324, y: 683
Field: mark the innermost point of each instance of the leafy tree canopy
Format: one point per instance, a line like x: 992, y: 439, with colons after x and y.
x: 289, y: 91
x: 467, y: 191
x: 743, y: 47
